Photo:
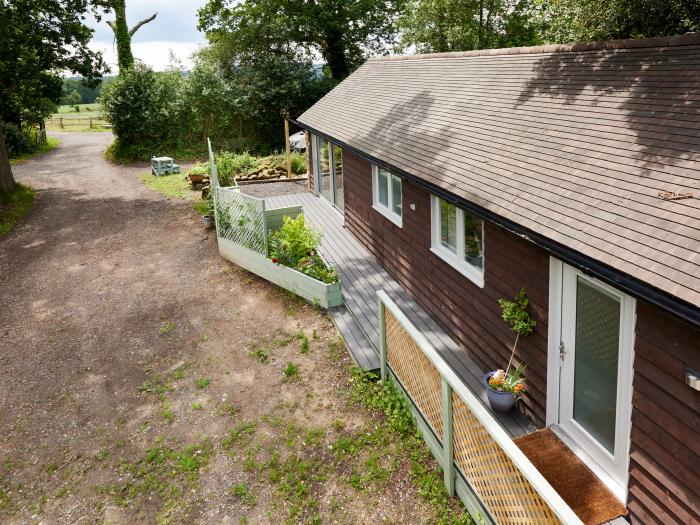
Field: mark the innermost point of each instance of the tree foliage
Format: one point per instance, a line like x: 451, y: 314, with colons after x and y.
x: 436, y: 26
x: 342, y: 33
x: 39, y: 39
x: 568, y: 21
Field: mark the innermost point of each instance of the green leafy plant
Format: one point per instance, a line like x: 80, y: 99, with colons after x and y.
x: 519, y: 320
x: 295, y: 245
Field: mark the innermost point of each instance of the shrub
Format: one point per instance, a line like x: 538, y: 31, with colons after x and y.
x: 17, y: 141
x: 228, y: 165
x: 298, y: 163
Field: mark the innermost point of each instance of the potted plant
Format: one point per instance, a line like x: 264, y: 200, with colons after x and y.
x: 503, y: 387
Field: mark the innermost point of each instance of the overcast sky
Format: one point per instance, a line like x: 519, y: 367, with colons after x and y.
x: 175, y: 28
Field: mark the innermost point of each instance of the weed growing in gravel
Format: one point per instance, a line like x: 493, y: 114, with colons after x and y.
x: 291, y: 372
x: 101, y: 454
x: 196, y: 405
x: 167, y: 414
x: 4, y: 499
x: 304, y: 348
x: 335, y: 350
x: 242, y: 491
x: 164, y: 472
x: 167, y: 327
x: 261, y: 355
x: 226, y: 408
x: 238, y: 435
x: 377, y: 396
x: 156, y: 385
x: 202, y: 382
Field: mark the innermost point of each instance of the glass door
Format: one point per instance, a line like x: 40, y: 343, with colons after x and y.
x: 329, y: 164
x: 338, y: 196
x: 597, y: 327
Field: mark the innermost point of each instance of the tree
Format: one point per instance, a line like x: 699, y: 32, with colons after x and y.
x: 437, y: 26
x: 40, y: 39
x: 587, y: 20
x: 342, y: 32
x: 122, y: 33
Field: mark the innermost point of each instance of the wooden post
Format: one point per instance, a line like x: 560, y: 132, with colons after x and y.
x: 382, y: 338
x: 60, y: 122
x: 448, y: 466
x: 90, y: 122
x: 287, y: 148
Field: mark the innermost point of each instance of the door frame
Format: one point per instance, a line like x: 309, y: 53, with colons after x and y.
x: 612, y: 470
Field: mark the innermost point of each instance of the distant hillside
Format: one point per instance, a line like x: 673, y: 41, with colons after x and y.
x: 88, y: 95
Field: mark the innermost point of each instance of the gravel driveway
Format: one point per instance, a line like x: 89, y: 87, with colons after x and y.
x: 145, y: 379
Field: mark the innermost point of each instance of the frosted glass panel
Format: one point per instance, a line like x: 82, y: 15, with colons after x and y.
x: 597, y: 352
x: 383, y: 186
x: 448, y: 225
x: 324, y: 168
x: 396, y: 195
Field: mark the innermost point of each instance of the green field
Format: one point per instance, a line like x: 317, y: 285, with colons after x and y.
x: 84, y: 108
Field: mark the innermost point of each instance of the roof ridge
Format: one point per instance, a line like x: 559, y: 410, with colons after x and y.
x: 686, y: 39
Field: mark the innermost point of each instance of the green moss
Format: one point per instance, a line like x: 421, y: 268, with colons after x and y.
x: 14, y: 206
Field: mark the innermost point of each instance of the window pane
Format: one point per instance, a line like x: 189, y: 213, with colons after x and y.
x: 383, y: 186
x: 473, y: 241
x: 324, y: 175
x: 595, y: 364
x: 396, y: 195
x: 448, y: 225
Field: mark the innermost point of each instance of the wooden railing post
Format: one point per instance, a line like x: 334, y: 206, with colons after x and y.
x: 448, y: 465
x: 382, y: 339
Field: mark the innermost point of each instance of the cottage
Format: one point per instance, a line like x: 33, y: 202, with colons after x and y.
x: 443, y: 183
x: 572, y: 172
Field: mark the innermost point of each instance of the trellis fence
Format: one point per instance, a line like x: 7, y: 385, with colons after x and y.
x: 481, y: 463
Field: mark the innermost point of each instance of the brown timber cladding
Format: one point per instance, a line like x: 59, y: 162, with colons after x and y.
x: 470, y: 314
x: 664, y: 484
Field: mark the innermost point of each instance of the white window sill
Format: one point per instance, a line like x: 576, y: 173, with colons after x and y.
x: 471, y: 273
x: 396, y: 219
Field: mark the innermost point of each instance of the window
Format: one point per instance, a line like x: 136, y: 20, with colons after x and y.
x: 458, y: 238
x: 387, y: 194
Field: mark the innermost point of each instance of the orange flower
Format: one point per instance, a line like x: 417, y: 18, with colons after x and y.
x: 518, y: 388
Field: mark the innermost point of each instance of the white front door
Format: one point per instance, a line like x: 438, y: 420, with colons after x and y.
x: 594, y: 354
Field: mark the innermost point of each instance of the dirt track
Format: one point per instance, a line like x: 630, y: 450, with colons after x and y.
x: 142, y: 375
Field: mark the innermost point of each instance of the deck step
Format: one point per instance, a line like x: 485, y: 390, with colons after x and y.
x: 361, y: 351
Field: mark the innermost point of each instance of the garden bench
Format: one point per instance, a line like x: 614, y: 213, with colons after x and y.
x: 163, y: 166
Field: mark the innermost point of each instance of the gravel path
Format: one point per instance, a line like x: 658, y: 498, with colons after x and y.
x: 142, y: 375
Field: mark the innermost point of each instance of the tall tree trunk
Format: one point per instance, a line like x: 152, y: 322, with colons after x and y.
x: 121, y: 33
x: 334, y: 53
x: 7, y: 181
x: 479, y: 44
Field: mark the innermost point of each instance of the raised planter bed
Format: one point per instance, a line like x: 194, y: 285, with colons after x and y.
x: 322, y: 294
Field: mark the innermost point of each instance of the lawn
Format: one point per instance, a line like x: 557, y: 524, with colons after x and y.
x: 14, y: 206
x: 84, y: 108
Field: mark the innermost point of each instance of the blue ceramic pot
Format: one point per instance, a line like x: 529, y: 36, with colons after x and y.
x: 499, y: 401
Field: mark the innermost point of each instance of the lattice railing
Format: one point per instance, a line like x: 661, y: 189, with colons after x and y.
x: 495, y: 478
x: 240, y: 218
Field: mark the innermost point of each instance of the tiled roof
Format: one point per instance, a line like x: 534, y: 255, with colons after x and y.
x: 575, y: 143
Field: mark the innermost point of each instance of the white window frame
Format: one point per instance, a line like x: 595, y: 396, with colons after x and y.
x: 612, y: 469
x: 456, y: 260
x: 388, y: 210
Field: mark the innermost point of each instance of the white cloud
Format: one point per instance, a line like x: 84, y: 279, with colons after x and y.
x: 154, y: 53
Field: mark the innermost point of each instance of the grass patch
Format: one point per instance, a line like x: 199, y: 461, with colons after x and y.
x: 156, y: 385
x: 169, y: 185
x: 14, y: 206
x: 226, y: 408
x: 50, y: 144
x: 238, y: 435
x: 164, y: 472
x: 241, y: 491
x: 202, y: 382
x: 426, y: 475
x: 196, y: 405
x: 167, y: 327
x: 291, y: 372
x: 168, y: 414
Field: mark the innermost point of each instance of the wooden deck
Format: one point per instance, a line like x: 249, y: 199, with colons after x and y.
x: 361, y: 276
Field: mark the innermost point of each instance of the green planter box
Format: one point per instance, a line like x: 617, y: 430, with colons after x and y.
x: 322, y: 294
